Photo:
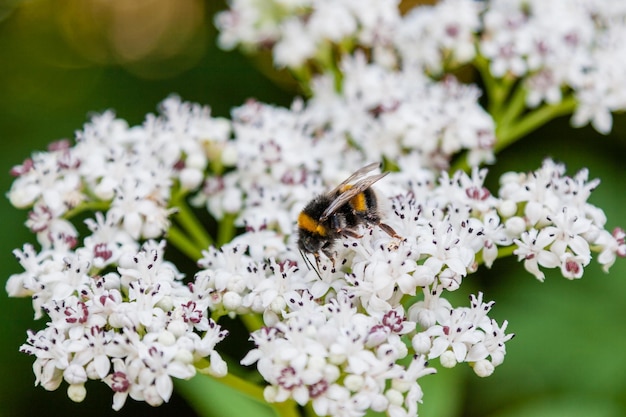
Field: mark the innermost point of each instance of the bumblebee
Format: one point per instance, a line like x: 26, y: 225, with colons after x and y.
x: 339, y: 212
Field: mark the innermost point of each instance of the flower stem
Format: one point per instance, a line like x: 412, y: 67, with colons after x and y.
x: 190, y: 223
x: 286, y: 409
x: 303, y: 76
x: 97, y: 205
x: 251, y: 321
x: 515, y: 107
x: 226, y: 229
x: 512, y: 124
x: 308, y: 410
x: 181, y: 241
x: 509, y: 133
x: 502, y: 253
x: 498, y: 89
x: 506, y: 251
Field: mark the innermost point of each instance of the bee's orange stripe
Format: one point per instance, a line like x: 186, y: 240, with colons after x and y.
x: 358, y: 202
x: 306, y: 222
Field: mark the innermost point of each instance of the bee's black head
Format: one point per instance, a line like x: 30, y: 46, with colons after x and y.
x: 310, y: 242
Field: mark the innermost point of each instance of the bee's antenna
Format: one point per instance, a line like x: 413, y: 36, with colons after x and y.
x: 309, y: 264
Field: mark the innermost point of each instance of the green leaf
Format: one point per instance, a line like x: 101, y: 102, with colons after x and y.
x: 210, y: 398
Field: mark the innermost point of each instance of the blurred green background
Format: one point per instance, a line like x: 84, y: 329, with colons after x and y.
x: 61, y: 60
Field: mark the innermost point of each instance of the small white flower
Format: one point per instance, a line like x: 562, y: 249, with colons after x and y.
x: 295, y: 46
x: 532, y: 249
x: 76, y: 392
x: 572, y: 266
x: 613, y: 245
x: 483, y: 368
x: 570, y: 229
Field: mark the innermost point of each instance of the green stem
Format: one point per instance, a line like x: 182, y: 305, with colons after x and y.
x: 514, y: 108
x: 498, y: 89
x: 498, y: 92
x: 532, y: 120
x: 252, y: 321
x: 344, y: 48
x: 502, y: 253
x: 308, y: 410
x: 482, y: 65
x: 94, y: 206
x: 303, y: 76
x: 506, y: 251
x: 189, y: 222
x: 288, y: 408
x: 226, y: 229
x: 511, y: 124
x: 180, y: 240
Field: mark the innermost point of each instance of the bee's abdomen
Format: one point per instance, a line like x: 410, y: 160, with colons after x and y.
x: 365, y: 205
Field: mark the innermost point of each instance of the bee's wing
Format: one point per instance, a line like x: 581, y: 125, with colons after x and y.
x: 357, y: 174
x: 347, y: 195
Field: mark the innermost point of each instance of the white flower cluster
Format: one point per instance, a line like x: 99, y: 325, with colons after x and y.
x: 553, y: 47
x: 342, y: 361
x: 448, y: 228
x: 462, y: 334
x: 303, y: 29
x: 435, y: 38
x: 351, y: 332
x: 560, y: 226
x: 129, y: 171
x: 557, y: 44
x: 118, y: 312
x: 134, y: 329
x: 280, y: 154
x: 262, y: 168
x: 395, y: 111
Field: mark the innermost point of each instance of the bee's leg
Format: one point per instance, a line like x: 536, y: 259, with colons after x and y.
x: 374, y: 218
x: 350, y: 233
x: 309, y: 264
x: 329, y: 254
x: 317, y: 263
x: 389, y: 230
x: 338, y: 224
